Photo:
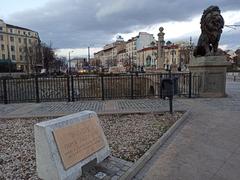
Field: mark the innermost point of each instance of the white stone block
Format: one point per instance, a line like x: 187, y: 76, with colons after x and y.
x: 50, y: 163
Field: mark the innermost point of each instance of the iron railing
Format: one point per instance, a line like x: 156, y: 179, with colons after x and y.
x: 233, y: 76
x: 98, y: 87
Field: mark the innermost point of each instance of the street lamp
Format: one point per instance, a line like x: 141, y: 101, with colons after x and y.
x: 9, y: 61
x: 69, y: 62
x: 167, y: 67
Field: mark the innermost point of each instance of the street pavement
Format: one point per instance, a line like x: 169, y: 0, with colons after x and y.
x: 205, y: 147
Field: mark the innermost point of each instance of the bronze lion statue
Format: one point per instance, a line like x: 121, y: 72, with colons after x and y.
x: 211, y: 26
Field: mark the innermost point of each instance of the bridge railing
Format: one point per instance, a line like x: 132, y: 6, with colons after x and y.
x: 97, y: 87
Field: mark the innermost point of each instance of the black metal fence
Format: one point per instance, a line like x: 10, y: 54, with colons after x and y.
x: 76, y: 88
x: 233, y: 76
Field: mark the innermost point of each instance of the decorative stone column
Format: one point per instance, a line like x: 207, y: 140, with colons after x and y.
x: 161, y: 43
x: 212, y: 73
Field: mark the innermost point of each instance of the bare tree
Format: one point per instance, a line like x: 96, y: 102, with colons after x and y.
x: 32, y: 54
x: 49, y: 57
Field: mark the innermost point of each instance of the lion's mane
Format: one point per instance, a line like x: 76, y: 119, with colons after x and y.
x: 211, y: 26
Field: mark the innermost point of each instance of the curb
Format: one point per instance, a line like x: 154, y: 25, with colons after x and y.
x: 132, y: 171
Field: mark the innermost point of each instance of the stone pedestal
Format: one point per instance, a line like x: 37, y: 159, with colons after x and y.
x: 212, y: 73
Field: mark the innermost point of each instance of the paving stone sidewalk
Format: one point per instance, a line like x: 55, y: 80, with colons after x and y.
x: 205, y: 147
x: 110, y: 169
x: 110, y: 106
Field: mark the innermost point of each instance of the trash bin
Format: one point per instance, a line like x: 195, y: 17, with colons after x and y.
x: 167, y: 88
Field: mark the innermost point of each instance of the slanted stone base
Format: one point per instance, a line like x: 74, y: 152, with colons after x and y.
x: 212, y: 72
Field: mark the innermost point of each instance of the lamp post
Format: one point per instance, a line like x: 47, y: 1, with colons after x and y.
x: 128, y: 62
x: 9, y: 61
x: 132, y: 62
x: 167, y: 67
x: 89, y: 54
x: 69, y: 62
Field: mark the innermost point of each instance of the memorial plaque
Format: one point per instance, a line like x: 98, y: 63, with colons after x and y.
x: 78, y: 141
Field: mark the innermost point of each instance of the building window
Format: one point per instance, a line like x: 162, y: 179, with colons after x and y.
x: 18, y: 32
x: 24, y: 32
x: 12, y: 48
x: 1, y: 37
x: 19, y: 40
x: 148, y: 61
x: 20, y: 49
x: 29, y: 33
x: 2, y: 47
x: 13, y: 57
x: 1, y: 28
x: 21, y: 58
x: 11, y: 30
x: 174, y: 61
x: 3, y: 56
x: 25, y: 40
x: 12, y: 39
x: 29, y: 41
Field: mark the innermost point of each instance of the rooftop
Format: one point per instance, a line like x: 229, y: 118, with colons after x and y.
x: 17, y: 27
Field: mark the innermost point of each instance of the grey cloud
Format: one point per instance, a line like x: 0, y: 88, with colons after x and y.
x: 78, y: 23
x: 231, y: 39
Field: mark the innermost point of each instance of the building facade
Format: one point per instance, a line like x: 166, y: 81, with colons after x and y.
x: 109, y: 55
x: 144, y: 51
x: 172, y: 55
x: 99, y: 56
x: 131, y: 49
x: 145, y: 40
x: 147, y: 57
x: 178, y: 55
x: 122, y: 58
x: 21, y: 47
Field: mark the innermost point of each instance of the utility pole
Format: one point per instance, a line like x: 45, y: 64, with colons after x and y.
x: 9, y: 60
x: 69, y: 63
x: 132, y: 62
x: 89, y: 55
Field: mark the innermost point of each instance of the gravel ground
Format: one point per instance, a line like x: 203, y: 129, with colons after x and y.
x: 129, y: 137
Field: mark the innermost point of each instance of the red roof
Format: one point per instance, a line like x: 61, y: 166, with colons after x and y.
x: 173, y: 46
x: 148, y: 49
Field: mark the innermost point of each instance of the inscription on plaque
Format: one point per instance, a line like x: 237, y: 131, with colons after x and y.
x: 78, y: 141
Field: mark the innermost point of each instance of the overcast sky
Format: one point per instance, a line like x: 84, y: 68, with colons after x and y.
x: 75, y: 24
